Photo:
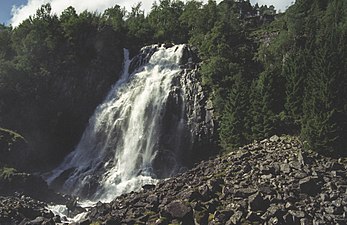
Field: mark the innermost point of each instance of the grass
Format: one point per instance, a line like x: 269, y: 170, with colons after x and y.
x: 6, y: 173
x: 14, y: 135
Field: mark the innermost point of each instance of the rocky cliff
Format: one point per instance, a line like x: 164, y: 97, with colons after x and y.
x: 188, y: 105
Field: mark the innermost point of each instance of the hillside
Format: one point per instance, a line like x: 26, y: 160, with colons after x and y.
x: 273, y: 181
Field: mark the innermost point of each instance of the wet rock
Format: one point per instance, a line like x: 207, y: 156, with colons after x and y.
x: 148, y: 186
x: 37, y: 221
x: 57, y: 219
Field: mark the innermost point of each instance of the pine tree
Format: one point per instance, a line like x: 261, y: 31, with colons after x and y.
x: 234, y: 127
x: 324, y: 122
x: 263, y: 101
x: 257, y: 118
x: 295, y: 71
x: 320, y: 127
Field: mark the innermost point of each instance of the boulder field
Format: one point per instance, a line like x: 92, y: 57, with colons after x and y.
x: 273, y: 181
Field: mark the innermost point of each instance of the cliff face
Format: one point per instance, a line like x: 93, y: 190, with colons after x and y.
x: 188, y: 105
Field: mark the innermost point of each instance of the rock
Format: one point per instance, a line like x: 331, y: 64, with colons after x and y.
x: 214, y: 185
x: 253, y: 217
x: 37, y: 221
x: 24, y: 221
x: 201, y: 217
x: 222, y: 216
x: 191, y: 195
x: 329, y: 210
x: 148, y: 187
x: 179, y: 210
x: 266, y: 189
x: 309, y: 185
x: 112, y: 221
x: 152, y: 199
x: 257, y: 202
x: 85, y: 222
x: 260, y: 183
x: 297, y: 213
x: 241, y: 154
x: 245, y: 192
x: 301, y: 158
x: 57, y: 219
x: 285, y: 168
x: 274, y: 138
x: 235, y: 218
x: 205, y: 192
x: 273, y: 221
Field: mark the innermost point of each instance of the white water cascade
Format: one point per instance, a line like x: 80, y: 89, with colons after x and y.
x: 116, y: 152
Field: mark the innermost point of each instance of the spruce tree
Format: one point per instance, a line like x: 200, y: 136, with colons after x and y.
x: 295, y: 72
x: 234, y: 122
x: 263, y: 101
x: 321, y: 128
x: 324, y: 122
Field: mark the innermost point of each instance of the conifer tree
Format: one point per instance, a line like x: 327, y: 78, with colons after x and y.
x: 324, y: 122
x: 295, y: 72
x: 319, y: 127
x: 263, y: 99
x: 234, y: 122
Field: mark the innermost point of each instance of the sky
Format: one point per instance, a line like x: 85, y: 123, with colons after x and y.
x: 15, y: 11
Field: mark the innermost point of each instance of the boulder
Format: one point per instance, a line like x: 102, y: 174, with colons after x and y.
x: 310, y: 186
x: 235, y: 218
x: 257, y: 202
x: 180, y: 210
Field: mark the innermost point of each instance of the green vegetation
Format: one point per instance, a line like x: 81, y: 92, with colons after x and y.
x: 286, y: 76
x: 6, y: 173
x: 95, y: 223
x: 14, y: 136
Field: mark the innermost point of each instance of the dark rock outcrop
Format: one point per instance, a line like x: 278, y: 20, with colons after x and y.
x: 272, y: 181
x: 13, y: 183
x: 13, y: 148
x: 188, y: 132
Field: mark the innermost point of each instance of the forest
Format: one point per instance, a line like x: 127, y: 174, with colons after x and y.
x: 266, y: 72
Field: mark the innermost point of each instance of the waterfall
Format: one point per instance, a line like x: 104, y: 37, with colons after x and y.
x: 134, y: 135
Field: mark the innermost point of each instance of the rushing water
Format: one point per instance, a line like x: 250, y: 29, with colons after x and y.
x: 116, y: 152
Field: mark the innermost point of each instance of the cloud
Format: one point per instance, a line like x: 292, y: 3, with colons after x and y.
x: 24, y: 11
x: 279, y: 4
